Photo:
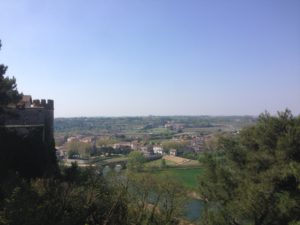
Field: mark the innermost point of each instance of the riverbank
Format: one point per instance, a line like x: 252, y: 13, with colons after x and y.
x: 194, y: 195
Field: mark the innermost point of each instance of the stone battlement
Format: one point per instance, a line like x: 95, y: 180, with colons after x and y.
x: 49, y: 104
x: 28, y: 113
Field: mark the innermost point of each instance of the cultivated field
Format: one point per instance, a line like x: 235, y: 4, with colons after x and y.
x: 173, y: 161
x: 181, y: 161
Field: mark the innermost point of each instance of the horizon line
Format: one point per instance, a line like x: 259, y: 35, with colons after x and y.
x: 141, y: 116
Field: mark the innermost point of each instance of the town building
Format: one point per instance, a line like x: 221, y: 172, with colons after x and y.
x: 173, y: 152
x: 158, y: 150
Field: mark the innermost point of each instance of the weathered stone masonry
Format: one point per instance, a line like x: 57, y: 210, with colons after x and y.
x: 31, y: 114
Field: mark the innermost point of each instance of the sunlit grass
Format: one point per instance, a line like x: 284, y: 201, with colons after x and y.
x: 188, y: 177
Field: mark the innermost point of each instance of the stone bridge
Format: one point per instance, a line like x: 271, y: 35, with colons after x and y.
x: 112, y: 164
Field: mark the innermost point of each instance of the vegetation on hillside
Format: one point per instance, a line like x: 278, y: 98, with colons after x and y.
x: 251, y: 178
x: 254, y: 177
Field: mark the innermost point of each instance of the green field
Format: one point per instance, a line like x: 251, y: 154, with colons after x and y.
x: 186, y: 176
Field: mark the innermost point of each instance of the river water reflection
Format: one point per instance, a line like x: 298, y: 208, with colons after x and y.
x: 193, y: 210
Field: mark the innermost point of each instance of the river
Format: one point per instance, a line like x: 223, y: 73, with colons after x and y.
x: 193, y: 210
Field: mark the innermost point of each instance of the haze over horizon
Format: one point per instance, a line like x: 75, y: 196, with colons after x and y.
x: 169, y: 57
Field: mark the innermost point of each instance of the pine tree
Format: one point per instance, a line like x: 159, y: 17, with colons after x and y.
x: 254, y: 178
x: 8, y: 88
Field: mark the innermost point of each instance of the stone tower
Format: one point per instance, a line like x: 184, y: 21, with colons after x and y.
x: 29, y: 114
x: 27, y: 138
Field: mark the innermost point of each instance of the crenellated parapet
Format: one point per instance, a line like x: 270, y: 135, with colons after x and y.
x: 49, y: 104
x: 29, y: 114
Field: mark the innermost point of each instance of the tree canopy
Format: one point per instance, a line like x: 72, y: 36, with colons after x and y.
x: 136, y: 160
x: 254, y: 177
x: 8, y: 88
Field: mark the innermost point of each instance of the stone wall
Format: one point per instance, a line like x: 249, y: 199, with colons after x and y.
x: 40, y: 113
x: 26, y: 139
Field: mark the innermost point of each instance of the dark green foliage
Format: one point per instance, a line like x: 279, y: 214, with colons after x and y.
x: 254, y: 178
x: 136, y: 161
x: 163, y: 163
x: 83, y: 198
x: 8, y: 88
x: 154, y: 200
x: 191, y: 155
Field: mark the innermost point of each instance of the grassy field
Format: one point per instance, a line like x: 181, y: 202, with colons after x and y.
x: 173, y: 161
x: 186, y: 176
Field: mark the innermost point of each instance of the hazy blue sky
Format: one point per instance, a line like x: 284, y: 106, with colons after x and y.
x: 159, y: 57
